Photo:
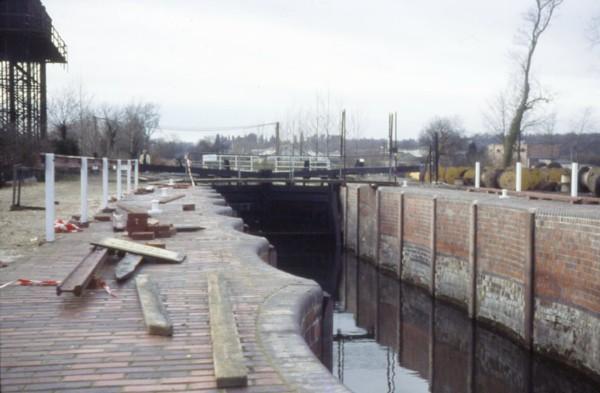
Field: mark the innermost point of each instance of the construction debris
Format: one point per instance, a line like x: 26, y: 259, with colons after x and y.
x: 188, y: 207
x: 188, y: 228
x: 102, y: 217
x: 170, y: 198
x: 62, y: 226
x: 155, y: 316
x: 127, y: 265
x: 228, y: 357
x: 141, y: 249
x: 79, y: 278
x: 31, y: 283
x: 142, y: 235
x: 156, y: 244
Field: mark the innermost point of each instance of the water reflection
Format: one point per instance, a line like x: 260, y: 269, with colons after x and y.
x: 422, y: 345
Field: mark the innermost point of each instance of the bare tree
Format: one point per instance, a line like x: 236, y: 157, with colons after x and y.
x: 584, y: 123
x: 449, y: 132
x: 496, y: 116
x: 537, y: 19
x: 593, y: 30
x: 139, y: 122
x: 62, y: 112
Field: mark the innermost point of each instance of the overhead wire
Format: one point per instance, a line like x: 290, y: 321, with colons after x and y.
x: 217, y: 129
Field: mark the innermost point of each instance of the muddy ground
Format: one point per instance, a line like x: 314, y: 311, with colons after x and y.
x: 22, y: 231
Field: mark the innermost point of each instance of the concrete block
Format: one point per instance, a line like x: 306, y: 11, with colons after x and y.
x: 188, y: 207
x: 155, y: 316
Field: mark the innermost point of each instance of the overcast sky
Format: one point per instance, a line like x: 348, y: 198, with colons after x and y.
x: 224, y: 62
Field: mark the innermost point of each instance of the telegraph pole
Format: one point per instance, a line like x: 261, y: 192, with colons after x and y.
x: 277, y: 143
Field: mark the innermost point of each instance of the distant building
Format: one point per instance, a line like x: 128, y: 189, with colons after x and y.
x: 543, y: 152
x: 530, y: 154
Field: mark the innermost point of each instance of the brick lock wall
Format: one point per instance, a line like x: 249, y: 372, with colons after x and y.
x: 567, y: 288
x: 417, y: 253
x: 452, y: 235
x: 343, y: 191
x: 501, y: 254
x: 367, y: 223
x: 533, y: 274
x: 311, y: 327
x: 389, y: 230
x: 351, y: 214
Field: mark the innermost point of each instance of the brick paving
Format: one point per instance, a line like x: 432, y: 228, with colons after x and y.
x: 98, y: 343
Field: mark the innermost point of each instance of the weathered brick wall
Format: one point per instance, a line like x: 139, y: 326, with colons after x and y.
x: 452, y: 243
x: 389, y: 230
x: 351, y: 216
x: 501, y: 255
x: 312, y: 324
x: 567, y: 288
x: 528, y: 268
x: 343, y: 204
x: 416, y: 252
x: 367, y: 223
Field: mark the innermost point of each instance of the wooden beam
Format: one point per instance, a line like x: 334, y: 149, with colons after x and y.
x: 170, y: 198
x: 80, y: 277
x: 140, y: 249
x: 228, y: 358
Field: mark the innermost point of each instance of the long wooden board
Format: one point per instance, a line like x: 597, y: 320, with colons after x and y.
x: 170, y: 198
x: 228, y: 359
x: 140, y: 249
x: 79, y: 277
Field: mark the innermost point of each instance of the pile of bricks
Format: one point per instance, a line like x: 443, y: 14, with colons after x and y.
x: 139, y: 228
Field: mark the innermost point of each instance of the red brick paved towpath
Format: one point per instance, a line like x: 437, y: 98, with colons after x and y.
x: 98, y: 343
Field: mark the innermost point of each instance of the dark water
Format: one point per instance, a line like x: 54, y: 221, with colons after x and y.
x: 396, y: 337
x: 416, y: 344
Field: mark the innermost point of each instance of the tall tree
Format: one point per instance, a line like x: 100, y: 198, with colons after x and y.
x: 537, y: 20
x: 593, y: 30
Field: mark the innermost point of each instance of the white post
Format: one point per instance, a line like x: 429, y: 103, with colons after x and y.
x: 119, y: 185
x: 84, y: 184
x: 477, y: 174
x: 136, y: 174
x: 518, y: 177
x: 49, y: 197
x: 574, y: 179
x: 104, y: 182
x: 128, y: 176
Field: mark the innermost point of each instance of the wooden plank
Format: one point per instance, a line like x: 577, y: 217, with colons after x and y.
x: 127, y: 265
x: 140, y: 249
x: 188, y: 228
x: 136, y: 209
x: 155, y: 316
x: 170, y: 198
x: 79, y: 277
x: 228, y: 358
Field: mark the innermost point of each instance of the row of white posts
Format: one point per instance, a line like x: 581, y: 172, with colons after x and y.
x: 50, y: 196
x: 519, y: 177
